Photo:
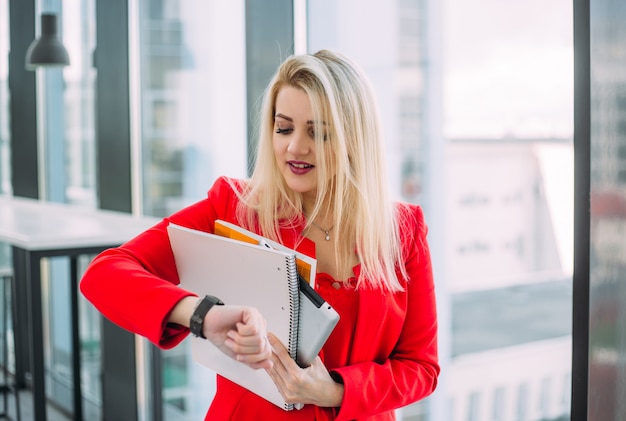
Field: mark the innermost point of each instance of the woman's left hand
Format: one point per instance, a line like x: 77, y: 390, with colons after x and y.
x: 310, y: 385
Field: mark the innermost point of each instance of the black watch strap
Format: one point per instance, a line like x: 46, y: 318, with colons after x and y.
x: 197, y: 318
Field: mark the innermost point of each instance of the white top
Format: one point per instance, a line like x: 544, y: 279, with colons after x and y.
x: 37, y: 225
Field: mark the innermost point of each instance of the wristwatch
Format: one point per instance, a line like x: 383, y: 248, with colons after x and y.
x: 202, y: 308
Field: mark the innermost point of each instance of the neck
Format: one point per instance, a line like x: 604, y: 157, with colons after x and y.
x: 325, y: 221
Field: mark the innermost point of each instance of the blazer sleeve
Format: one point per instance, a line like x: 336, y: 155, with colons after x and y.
x: 135, y: 285
x: 410, y: 369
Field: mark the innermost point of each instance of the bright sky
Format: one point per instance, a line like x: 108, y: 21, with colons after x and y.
x: 508, y: 68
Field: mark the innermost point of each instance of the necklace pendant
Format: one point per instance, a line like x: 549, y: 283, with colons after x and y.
x: 326, y: 232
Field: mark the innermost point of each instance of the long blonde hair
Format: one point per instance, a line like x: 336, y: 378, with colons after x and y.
x: 363, y: 214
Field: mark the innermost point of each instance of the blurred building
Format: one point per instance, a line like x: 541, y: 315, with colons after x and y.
x: 510, y: 283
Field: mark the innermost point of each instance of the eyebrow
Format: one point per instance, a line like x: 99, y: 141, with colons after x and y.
x: 284, y: 117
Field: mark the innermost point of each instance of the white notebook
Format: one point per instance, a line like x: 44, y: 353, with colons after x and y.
x: 241, y: 274
x: 317, y: 318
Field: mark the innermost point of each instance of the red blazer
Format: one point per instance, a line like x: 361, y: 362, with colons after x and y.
x: 387, y: 360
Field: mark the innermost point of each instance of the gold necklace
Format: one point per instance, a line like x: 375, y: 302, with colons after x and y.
x: 327, y: 232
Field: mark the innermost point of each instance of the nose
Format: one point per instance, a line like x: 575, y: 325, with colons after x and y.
x: 299, y: 144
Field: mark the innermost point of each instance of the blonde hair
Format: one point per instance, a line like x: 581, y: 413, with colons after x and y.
x: 363, y: 214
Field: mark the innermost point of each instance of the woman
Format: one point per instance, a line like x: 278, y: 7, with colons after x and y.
x: 318, y: 186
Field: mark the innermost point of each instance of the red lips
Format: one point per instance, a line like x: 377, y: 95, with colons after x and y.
x: 299, y: 167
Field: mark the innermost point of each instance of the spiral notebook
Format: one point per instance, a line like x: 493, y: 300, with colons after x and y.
x: 317, y: 318
x: 242, y: 274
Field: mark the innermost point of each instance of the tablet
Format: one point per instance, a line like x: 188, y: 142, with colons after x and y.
x: 317, y: 321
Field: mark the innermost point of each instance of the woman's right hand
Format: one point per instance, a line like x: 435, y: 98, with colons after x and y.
x: 241, y: 333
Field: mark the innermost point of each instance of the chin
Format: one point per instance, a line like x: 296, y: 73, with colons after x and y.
x: 299, y: 187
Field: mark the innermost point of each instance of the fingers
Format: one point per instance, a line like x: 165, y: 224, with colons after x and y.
x: 277, y: 372
x: 248, y: 333
x: 286, y: 374
x: 282, y: 361
x: 242, y: 333
x: 278, y: 347
x: 255, y: 352
x: 246, y: 344
x: 252, y: 324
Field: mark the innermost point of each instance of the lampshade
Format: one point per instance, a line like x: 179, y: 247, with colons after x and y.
x: 47, y: 50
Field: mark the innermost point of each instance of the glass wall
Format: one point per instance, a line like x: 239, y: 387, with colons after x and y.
x: 66, y: 142
x: 477, y: 102
x: 477, y: 105
x: 65, y: 136
x: 193, y: 128
x: 79, y: 99
x: 66, y: 103
x: 508, y: 102
x: 71, y: 179
x: 509, y: 207
x: 193, y: 102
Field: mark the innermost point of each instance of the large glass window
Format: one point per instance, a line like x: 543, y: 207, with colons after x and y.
x: 79, y: 99
x: 193, y: 128
x: 477, y: 104
x: 193, y: 102
x: 66, y: 143
x: 508, y: 109
x: 477, y: 101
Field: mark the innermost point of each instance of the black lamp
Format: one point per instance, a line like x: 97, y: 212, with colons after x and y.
x: 47, y: 50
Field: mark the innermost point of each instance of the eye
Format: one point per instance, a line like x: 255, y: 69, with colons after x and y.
x: 312, y: 134
x: 281, y: 130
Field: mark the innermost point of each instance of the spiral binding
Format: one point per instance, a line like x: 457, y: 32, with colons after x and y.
x: 294, y: 309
